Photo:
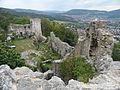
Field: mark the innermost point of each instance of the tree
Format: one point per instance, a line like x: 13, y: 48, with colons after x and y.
x: 116, y: 52
x: 60, y: 31
x: 10, y: 56
x: 21, y: 20
x: 76, y: 68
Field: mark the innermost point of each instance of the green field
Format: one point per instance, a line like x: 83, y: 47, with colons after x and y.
x: 23, y: 45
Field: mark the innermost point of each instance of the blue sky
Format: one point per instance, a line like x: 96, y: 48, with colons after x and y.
x: 61, y: 5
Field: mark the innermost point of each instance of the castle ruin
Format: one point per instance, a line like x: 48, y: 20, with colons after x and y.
x: 32, y: 29
x: 95, y: 44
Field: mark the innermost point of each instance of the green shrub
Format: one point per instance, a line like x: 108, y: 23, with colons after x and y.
x: 41, y: 66
x: 21, y: 20
x: 116, y: 52
x: 5, y: 20
x: 60, y: 31
x: 76, y: 68
x: 10, y: 56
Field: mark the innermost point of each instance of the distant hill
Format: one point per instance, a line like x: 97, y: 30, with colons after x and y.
x: 84, y: 12
x: 52, y: 12
x: 114, y: 14
x: 33, y: 14
x: 73, y: 15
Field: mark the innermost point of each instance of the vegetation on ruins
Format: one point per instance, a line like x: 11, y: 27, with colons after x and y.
x: 47, y: 54
x: 10, y: 56
x: 60, y: 31
x: 116, y: 52
x: 21, y: 20
x: 76, y: 68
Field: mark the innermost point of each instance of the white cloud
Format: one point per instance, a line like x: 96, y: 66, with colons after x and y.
x: 108, y: 8
x: 61, y: 4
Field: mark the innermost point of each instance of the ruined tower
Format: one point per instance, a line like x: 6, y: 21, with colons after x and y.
x: 34, y: 28
x: 96, y: 45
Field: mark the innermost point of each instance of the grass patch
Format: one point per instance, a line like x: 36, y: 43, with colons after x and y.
x: 24, y: 44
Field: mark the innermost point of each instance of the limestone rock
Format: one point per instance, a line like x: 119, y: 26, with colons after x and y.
x: 54, y: 83
x: 26, y: 72
x: 48, y: 74
x: 25, y: 84
x: 29, y: 80
x: 76, y: 85
x: 103, y: 63
x: 30, y: 60
x: 61, y: 47
x: 7, y: 78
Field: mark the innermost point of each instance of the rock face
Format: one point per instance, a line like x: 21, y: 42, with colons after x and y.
x: 30, y: 60
x: 61, y: 47
x: 25, y: 79
x: 7, y: 78
x: 96, y: 45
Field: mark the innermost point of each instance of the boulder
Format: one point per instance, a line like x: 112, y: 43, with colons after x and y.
x: 26, y: 72
x: 25, y: 84
x: 55, y: 83
x: 7, y: 78
x: 76, y: 85
x: 48, y: 74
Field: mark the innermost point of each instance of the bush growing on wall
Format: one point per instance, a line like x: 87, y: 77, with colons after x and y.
x: 76, y: 68
x: 21, y: 20
x: 116, y: 52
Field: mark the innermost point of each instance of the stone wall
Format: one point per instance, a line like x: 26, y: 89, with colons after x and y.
x: 59, y: 46
x: 21, y: 29
x: 95, y: 45
x: 34, y: 28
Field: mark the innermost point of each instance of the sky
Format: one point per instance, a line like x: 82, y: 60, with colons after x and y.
x: 61, y: 5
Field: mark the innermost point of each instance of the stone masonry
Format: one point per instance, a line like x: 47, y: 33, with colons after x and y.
x: 62, y: 48
x: 34, y: 28
x: 96, y: 45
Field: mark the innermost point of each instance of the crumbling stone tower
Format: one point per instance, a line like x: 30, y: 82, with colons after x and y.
x: 34, y: 28
x: 96, y: 45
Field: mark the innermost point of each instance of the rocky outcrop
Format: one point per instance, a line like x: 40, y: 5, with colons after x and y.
x: 30, y: 56
x: 96, y: 44
x: 25, y: 79
x: 7, y: 78
x: 60, y: 47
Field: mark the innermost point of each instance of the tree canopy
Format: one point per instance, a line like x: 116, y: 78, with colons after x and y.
x: 116, y: 52
x: 60, y: 31
x: 10, y: 56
